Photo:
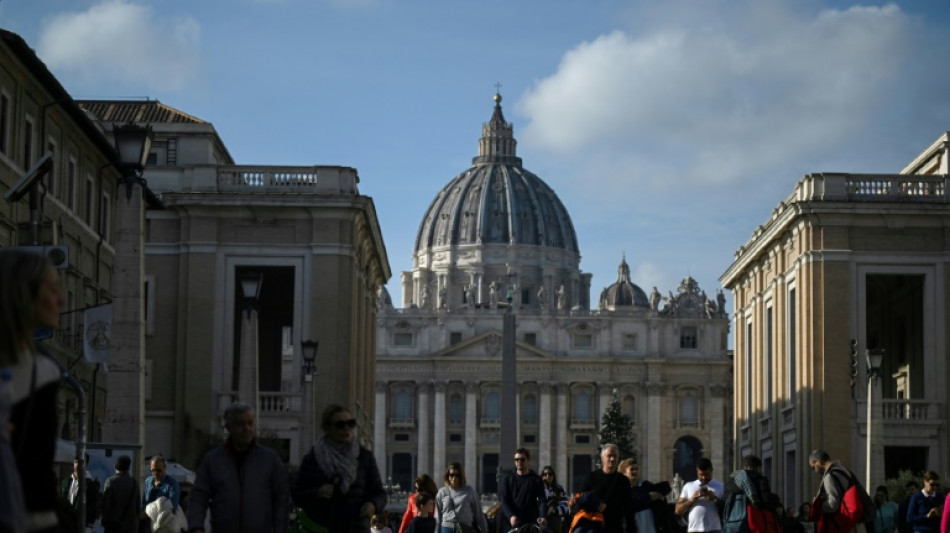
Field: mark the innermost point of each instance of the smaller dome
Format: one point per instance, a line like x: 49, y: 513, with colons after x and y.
x: 623, y: 292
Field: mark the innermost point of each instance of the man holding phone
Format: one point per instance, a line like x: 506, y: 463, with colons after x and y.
x: 701, y: 500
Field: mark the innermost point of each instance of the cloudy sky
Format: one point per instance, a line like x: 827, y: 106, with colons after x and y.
x: 669, y: 128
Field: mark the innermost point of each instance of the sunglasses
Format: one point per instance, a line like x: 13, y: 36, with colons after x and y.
x: 343, y: 424
x: 519, y: 459
x: 453, y: 474
x: 547, y: 474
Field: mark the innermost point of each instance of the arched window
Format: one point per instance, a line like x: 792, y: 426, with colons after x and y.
x: 492, y: 408
x: 402, y: 405
x: 529, y: 409
x: 456, y: 409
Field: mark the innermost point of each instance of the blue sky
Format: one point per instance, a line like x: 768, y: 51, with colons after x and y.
x: 669, y: 128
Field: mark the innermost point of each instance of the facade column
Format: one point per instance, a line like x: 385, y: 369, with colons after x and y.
x: 717, y: 428
x: 379, y: 431
x: 544, y: 424
x: 654, y: 440
x: 471, y: 433
x: 561, y: 431
x: 423, y: 459
x: 438, y: 423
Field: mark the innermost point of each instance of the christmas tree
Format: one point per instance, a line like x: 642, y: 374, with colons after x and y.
x: 616, y: 428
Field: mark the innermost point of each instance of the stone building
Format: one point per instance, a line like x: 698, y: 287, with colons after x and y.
x: 497, y: 231
x: 74, y: 215
x: 846, y: 264
x: 316, y: 242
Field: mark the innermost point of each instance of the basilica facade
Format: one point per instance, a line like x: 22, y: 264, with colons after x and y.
x: 497, y: 236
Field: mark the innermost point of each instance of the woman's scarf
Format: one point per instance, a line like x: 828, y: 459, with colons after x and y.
x: 335, y: 462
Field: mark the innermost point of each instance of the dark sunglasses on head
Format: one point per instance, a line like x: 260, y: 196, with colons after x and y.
x: 341, y: 424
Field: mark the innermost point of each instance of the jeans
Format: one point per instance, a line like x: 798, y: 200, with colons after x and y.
x: 446, y: 529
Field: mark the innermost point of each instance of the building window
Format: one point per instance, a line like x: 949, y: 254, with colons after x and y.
x: 747, y: 374
x: 27, y: 143
x: 629, y: 407
x: 4, y: 123
x: 688, y: 338
x: 105, y: 217
x: 402, y: 405
x: 688, y: 412
x: 456, y: 408
x: 455, y: 337
x: 768, y: 361
x: 90, y: 207
x: 492, y: 407
x: 630, y: 341
x: 71, y: 183
x: 529, y: 439
x: 531, y: 338
x: 51, y: 175
x: 792, y: 356
x: 402, y: 339
x: 582, y: 340
x: 530, y: 409
x: 401, y: 437
x: 525, y: 296
x: 581, y: 439
x: 582, y: 406
x: 455, y: 437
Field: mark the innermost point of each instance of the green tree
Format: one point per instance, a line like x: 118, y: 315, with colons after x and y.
x: 616, y: 428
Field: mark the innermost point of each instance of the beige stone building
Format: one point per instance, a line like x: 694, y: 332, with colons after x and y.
x: 497, y: 226
x: 316, y: 242
x: 845, y: 257
x: 75, y: 209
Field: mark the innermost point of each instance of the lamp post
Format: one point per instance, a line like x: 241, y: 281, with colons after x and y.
x: 875, y: 438
x: 124, y: 419
x: 250, y: 283
x: 308, y: 351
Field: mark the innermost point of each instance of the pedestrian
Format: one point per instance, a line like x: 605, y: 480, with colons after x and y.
x: 522, y: 493
x: 557, y: 509
x: 643, y: 496
x: 835, y: 482
x: 161, y: 484
x: 422, y: 483
x: 338, y: 484
x: 242, y: 482
x: 926, y: 505
x: 120, y: 500
x: 69, y: 491
x: 379, y: 524
x: 457, y: 503
x: 424, y: 522
x: 30, y: 299
x: 903, y: 526
x: 748, y: 499
x: 886, y: 511
x: 613, y: 490
x: 700, y: 499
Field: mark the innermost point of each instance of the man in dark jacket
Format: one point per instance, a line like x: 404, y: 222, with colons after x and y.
x: 522, y: 493
x: 926, y: 505
x: 69, y: 491
x: 614, y: 490
x: 903, y: 526
x: 120, y: 500
x: 242, y: 482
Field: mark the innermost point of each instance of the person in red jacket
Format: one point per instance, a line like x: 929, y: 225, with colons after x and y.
x: 423, y: 483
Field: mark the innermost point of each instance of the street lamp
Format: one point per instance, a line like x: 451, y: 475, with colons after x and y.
x: 875, y: 437
x: 308, y: 349
x: 250, y: 289
x: 132, y: 142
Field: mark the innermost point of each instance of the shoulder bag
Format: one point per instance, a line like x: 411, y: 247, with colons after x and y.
x: 460, y: 527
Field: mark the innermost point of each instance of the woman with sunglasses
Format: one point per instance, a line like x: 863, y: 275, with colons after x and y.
x: 338, y: 484
x: 556, y: 506
x: 423, y: 483
x: 457, y: 503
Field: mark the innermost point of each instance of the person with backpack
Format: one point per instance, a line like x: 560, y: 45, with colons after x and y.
x: 749, y: 507
x: 842, y: 504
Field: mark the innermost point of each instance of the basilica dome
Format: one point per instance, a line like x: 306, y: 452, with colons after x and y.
x: 623, y: 292
x: 496, y: 201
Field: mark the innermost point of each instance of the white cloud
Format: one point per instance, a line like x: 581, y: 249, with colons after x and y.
x: 125, y: 43
x: 723, y: 102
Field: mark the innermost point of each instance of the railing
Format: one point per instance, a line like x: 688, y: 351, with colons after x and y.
x: 895, y: 186
x: 339, y: 180
x: 402, y: 422
x: 909, y: 410
x: 271, y: 403
x: 871, y: 188
x: 491, y: 423
x: 583, y: 423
